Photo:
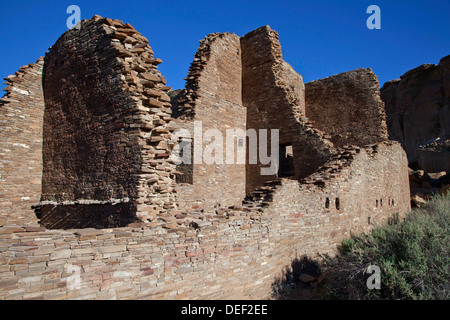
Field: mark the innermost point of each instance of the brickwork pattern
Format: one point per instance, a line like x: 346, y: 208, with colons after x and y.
x: 235, y: 254
x: 213, y: 96
x: 21, y: 118
x: 106, y: 128
x: 418, y: 106
x: 348, y: 108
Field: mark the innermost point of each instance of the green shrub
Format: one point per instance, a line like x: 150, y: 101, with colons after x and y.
x: 413, y: 257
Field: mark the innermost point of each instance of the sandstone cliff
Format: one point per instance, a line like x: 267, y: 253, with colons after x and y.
x: 418, y: 106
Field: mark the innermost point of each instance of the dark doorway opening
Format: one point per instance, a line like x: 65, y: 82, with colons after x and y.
x: 286, y: 164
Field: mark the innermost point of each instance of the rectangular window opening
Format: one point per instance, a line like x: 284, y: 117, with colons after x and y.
x: 286, y: 163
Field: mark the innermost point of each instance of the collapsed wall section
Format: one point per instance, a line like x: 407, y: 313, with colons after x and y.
x: 418, y: 106
x: 21, y: 118
x: 348, y: 108
x: 211, y: 104
x: 106, y: 138
x: 274, y: 95
x: 369, y: 184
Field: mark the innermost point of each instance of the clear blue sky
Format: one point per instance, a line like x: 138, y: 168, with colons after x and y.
x: 319, y: 38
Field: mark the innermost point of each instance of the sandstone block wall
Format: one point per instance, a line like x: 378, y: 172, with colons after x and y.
x: 418, y: 106
x: 106, y: 135
x: 348, y: 108
x: 213, y: 96
x: 21, y: 118
x: 237, y: 254
x: 107, y: 139
x: 274, y: 95
x: 433, y: 161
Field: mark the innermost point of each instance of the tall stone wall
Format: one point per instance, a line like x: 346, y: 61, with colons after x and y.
x: 21, y: 118
x: 418, y: 106
x: 212, y: 100
x: 348, y: 108
x: 239, y: 253
x: 106, y: 134
x: 274, y: 95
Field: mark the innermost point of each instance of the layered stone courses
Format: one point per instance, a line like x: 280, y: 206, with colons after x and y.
x: 106, y: 128
x: 348, y: 108
x: 274, y: 95
x: 195, y: 231
x: 213, y: 98
x: 21, y: 120
x: 238, y: 253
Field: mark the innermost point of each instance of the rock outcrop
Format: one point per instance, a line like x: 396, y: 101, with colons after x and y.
x: 435, y: 156
x: 418, y: 106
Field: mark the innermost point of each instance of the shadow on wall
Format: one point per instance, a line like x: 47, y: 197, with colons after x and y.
x: 78, y: 216
x: 288, y: 286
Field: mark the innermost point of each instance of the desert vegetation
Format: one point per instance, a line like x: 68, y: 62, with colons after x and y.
x: 412, y: 256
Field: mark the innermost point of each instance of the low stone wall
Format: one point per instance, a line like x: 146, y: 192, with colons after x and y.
x: 238, y: 253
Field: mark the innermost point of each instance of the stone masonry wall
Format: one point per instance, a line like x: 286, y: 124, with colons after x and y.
x: 239, y: 253
x: 106, y: 135
x: 21, y: 118
x: 348, y: 108
x: 213, y: 100
x: 418, y: 106
x: 273, y: 94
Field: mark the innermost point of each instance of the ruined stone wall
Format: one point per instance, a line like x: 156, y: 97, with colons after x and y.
x: 274, y: 95
x: 239, y: 253
x: 418, y: 106
x: 21, y: 118
x: 105, y: 129
x: 347, y: 107
x: 107, y: 140
x: 369, y: 183
x: 212, y: 100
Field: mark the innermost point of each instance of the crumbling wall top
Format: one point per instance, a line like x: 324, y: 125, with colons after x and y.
x: 348, y: 108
